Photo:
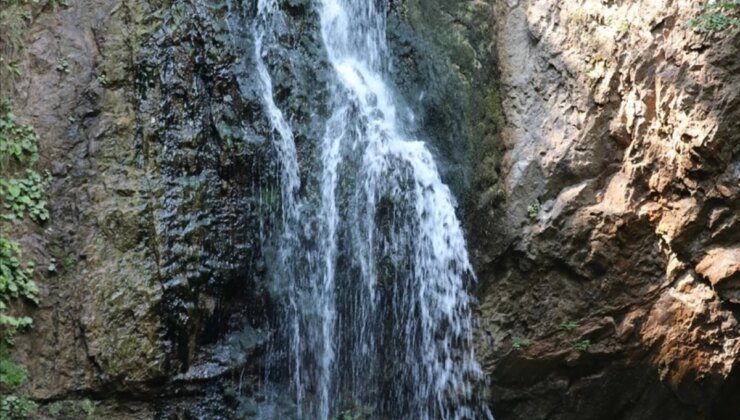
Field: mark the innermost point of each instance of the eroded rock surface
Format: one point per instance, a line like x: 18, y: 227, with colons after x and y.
x: 609, y: 286
x: 165, y: 185
x: 592, y: 145
x: 158, y: 199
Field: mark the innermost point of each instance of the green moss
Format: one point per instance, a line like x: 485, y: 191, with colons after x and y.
x: 458, y: 41
x: 488, y: 147
x: 12, y: 375
x: 493, y: 106
x: 131, y: 24
x: 69, y: 262
x: 450, y: 68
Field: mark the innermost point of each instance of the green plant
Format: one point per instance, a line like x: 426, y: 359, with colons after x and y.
x: 70, y: 409
x: 521, y: 343
x: 62, y: 65
x: 21, y: 196
x: 581, y: 345
x: 15, y: 407
x: 14, y: 68
x: 569, y: 325
x: 716, y: 17
x: 13, y: 25
x: 56, y: 408
x: 15, y: 282
x: 534, y: 209
x: 17, y: 141
x: 25, y: 196
x: 12, y: 375
x: 102, y: 79
x: 87, y: 407
x: 69, y: 262
x: 57, y: 3
x: 52, y: 267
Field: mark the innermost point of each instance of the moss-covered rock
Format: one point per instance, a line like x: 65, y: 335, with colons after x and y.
x: 444, y: 65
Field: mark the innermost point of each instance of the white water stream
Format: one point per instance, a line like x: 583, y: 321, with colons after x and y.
x: 376, y: 318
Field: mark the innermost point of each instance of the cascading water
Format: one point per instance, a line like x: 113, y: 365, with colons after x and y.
x: 375, y: 312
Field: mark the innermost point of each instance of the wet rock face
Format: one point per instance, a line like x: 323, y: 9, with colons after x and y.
x: 203, y: 147
x: 443, y: 63
x: 592, y: 146
x: 610, y: 287
x: 98, y: 322
x: 163, y: 191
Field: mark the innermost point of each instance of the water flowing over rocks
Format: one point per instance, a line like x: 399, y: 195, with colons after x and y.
x: 591, y: 148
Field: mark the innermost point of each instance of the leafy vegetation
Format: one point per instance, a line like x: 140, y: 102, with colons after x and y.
x: 62, y: 65
x: 15, y: 407
x: 83, y: 409
x: 14, y: 18
x: 25, y: 196
x: 534, y: 209
x: 12, y: 375
x: 15, y: 282
x: 102, y: 79
x: 57, y: 3
x: 521, y: 343
x: 21, y: 195
x: 718, y: 16
x: 569, y: 325
x: 17, y: 142
x: 581, y: 345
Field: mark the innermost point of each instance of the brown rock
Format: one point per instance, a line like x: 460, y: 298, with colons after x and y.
x: 721, y: 266
x: 622, y: 97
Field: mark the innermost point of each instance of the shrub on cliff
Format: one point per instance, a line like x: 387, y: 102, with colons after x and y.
x: 718, y: 16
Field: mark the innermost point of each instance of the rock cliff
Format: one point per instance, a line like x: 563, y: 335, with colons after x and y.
x: 592, y: 144
x: 609, y: 263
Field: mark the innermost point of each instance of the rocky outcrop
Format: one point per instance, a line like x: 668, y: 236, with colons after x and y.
x: 593, y: 146
x: 448, y: 80
x: 157, y: 201
x: 165, y: 186
x: 608, y: 262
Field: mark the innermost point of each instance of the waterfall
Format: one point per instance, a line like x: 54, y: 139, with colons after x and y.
x: 375, y: 313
